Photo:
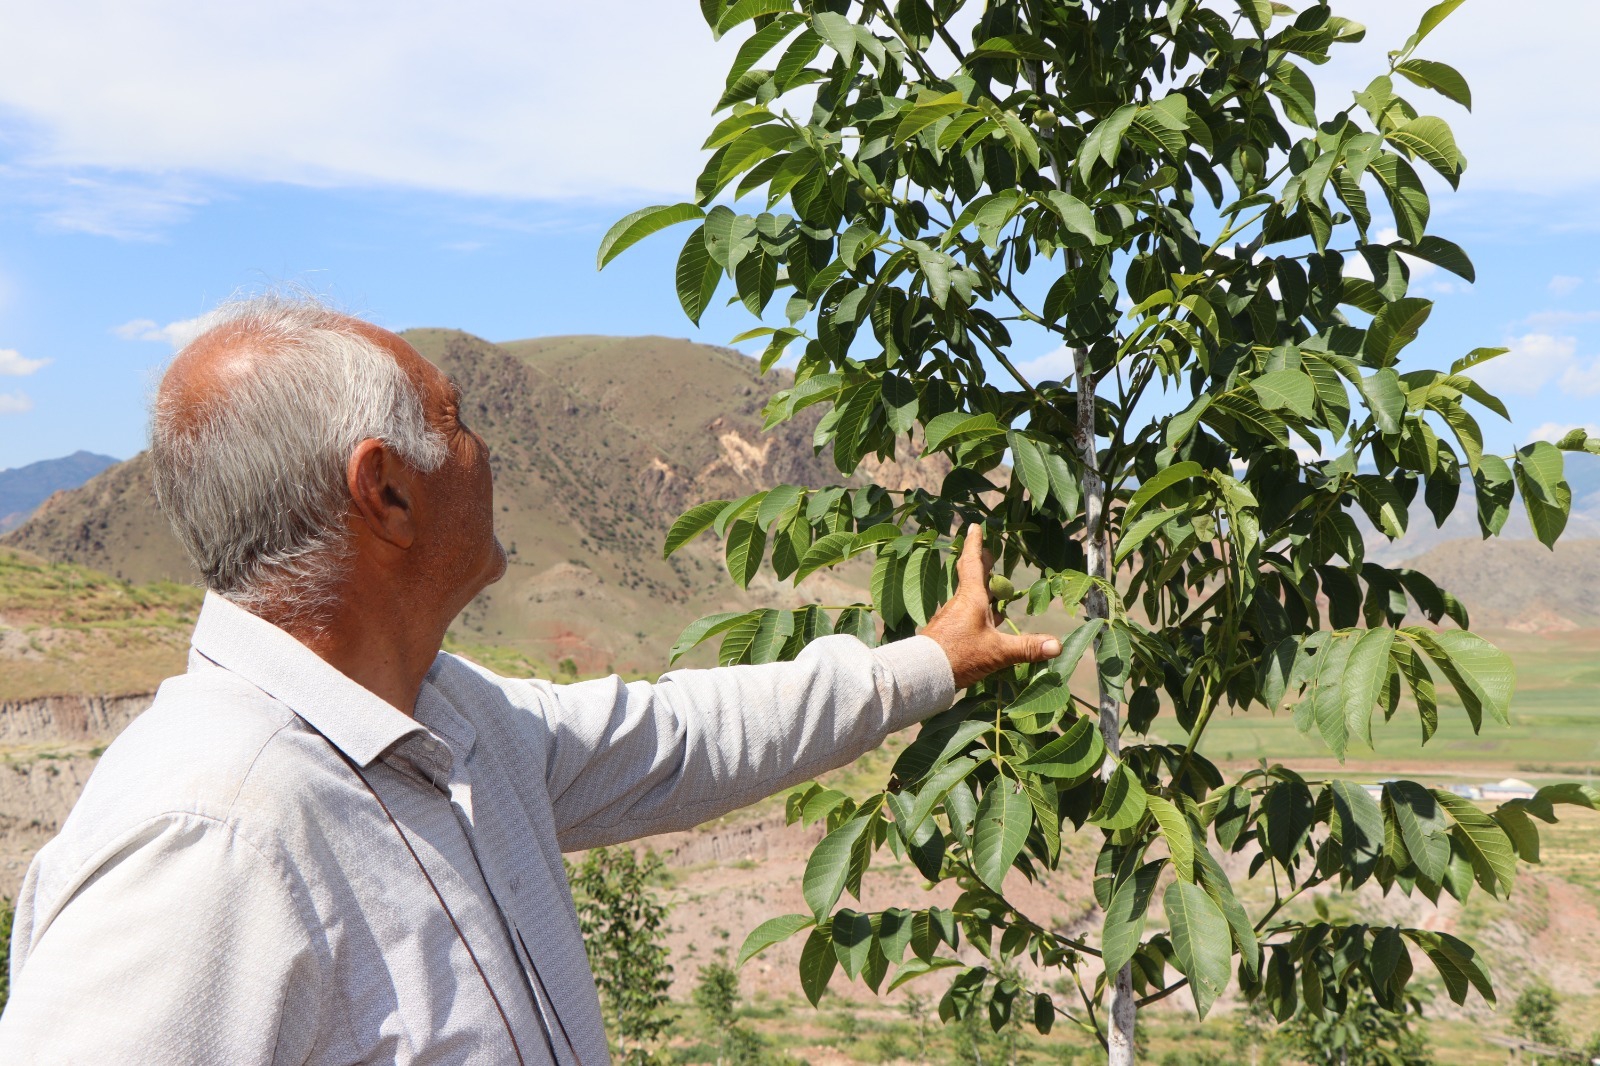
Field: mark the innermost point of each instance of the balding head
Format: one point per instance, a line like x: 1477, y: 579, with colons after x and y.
x: 253, y: 427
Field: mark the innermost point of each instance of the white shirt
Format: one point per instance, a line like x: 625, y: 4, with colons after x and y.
x: 227, y: 890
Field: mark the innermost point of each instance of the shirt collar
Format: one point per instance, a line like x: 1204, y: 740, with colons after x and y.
x: 354, y: 720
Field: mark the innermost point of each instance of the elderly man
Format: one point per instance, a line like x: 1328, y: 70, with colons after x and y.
x: 329, y: 842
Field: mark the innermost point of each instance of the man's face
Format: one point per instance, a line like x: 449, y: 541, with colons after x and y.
x: 460, y: 553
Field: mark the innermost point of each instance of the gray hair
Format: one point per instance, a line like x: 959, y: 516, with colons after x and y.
x: 254, y: 483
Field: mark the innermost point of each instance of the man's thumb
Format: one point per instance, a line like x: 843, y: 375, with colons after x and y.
x: 1037, y: 647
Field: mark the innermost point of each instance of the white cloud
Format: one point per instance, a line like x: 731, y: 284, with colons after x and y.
x: 1534, y: 361
x: 505, y: 98
x: 1554, y: 431
x: 482, y: 97
x: 15, y: 403
x: 1052, y: 366
x: 1581, y: 379
x: 1548, y: 320
x: 1537, y: 360
x: 1562, y: 284
x: 176, y: 333
x: 13, y: 365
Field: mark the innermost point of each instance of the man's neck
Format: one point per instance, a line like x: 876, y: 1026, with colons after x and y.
x: 388, y: 652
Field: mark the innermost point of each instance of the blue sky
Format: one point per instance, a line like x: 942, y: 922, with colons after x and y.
x: 456, y: 165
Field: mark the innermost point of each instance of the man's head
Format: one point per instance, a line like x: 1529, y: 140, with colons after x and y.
x: 306, y: 458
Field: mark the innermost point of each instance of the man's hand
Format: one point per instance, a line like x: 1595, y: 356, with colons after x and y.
x: 966, y: 627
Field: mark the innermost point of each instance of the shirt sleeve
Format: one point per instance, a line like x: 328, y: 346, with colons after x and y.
x: 185, y: 945
x: 630, y: 760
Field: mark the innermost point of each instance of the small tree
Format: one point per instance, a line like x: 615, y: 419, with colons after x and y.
x: 717, y: 995
x: 1364, y: 1034
x: 1156, y: 185
x: 1534, y: 1016
x: 624, y: 930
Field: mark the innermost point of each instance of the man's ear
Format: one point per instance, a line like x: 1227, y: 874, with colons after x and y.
x: 382, y: 493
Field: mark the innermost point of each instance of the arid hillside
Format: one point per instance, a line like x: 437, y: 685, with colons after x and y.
x: 599, y: 443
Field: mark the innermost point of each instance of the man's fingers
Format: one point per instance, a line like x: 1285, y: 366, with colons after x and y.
x: 972, y: 566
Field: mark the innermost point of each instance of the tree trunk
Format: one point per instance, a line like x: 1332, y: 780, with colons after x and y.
x: 1097, y: 556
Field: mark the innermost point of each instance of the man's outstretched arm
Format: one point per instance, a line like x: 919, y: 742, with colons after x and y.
x: 625, y: 761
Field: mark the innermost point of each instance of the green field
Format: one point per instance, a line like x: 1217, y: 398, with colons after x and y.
x: 1554, y: 730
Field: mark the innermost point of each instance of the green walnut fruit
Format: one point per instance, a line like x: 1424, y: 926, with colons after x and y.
x: 1001, y: 588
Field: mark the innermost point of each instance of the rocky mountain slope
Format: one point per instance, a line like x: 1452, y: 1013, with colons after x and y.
x: 24, y: 488
x: 599, y: 443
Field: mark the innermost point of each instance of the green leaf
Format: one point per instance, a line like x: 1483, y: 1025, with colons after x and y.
x: 1482, y: 675
x: 1457, y: 962
x: 1043, y: 700
x: 1381, y: 501
x: 772, y: 636
x: 1123, y: 928
x: 745, y: 546
x: 771, y: 932
x: 1394, y: 327
x: 632, y: 228
x: 700, y: 630
x: 1364, y: 675
x: 1201, y: 942
x: 1421, y: 822
x: 1447, y: 254
x: 852, y: 940
x: 1493, y: 482
x: 1386, y: 399
x: 817, y: 963
x: 838, y: 31
x: 745, y: 10
x: 1073, y: 647
x: 697, y: 275
x: 1476, y: 356
x: 1431, y: 19
x: 691, y: 524
x: 955, y: 426
x: 1004, y: 817
x: 1407, y: 196
x: 1325, y: 703
x: 1494, y: 861
x: 934, y: 790
x: 1158, y: 484
x: 829, y: 550
x: 1073, y: 756
x: 778, y: 500
x: 926, y: 112
x: 1124, y: 802
x: 1259, y: 14
x: 1075, y: 215
x: 738, y: 638
x: 1288, y: 814
x: 1358, y: 824
x: 1440, y: 77
x: 1014, y: 46
x: 1430, y: 139
x: 1540, y: 474
x: 923, y: 584
x: 1286, y: 390
x: 1029, y: 468
x: 1175, y: 831
x: 829, y: 866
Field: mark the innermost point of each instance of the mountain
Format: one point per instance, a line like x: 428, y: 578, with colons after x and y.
x: 24, y: 488
x: 1582, y: 472
x: 598, y: 444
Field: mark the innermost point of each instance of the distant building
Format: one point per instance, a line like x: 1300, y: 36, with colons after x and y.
x: 1509, y: 789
